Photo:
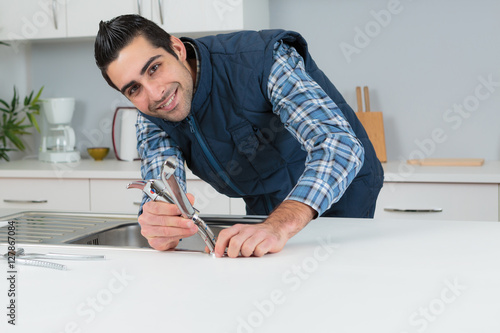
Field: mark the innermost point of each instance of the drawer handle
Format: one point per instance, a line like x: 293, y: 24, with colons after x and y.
x: 137, y: 203
x: 405, y: 210
x: 24, y: 201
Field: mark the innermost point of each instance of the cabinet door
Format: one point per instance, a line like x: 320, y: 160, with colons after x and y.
x: 438, y: 201
x: 237, y: 206
x: 197, y: 15
x: 32, y: 19
x: 112, y: 196
x: 208, y: 200
x: 84, y: 16
x: 52, y: 194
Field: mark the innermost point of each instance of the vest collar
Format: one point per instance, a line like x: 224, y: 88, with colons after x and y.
x: 204, y: 76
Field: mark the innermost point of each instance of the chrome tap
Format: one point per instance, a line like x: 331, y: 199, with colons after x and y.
x: 182, y: 202
x: 167, y: 189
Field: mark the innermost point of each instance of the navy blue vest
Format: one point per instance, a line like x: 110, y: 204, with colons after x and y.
x: 232, y: 139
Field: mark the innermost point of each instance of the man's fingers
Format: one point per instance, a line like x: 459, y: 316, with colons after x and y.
x: 263, y: 247
x: 190, y: 198
x: 223, y: 239
x: 246, y: 240
x: 182, y: 230
x: 162, y: 225
x: 250, y: 245
x: 160, y: 208
x: 162, y: 244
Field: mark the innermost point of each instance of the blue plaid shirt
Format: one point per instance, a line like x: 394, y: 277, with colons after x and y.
x: 334, y: 157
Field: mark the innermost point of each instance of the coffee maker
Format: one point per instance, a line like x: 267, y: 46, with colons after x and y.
x: 58, y: 137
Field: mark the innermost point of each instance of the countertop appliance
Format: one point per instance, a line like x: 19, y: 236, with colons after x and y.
x: 58, y: 137
x: 123, y: 133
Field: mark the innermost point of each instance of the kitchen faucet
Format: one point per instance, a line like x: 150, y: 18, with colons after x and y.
x: 168, y: 189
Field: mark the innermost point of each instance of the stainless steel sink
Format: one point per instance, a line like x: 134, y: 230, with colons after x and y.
x: 118, y: 230
x: 129, y: 235
x: 123, y: 235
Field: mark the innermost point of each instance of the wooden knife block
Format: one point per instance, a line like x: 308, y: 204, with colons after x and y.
x: 373, y: 123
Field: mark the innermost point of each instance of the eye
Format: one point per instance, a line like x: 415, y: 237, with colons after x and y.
x: 153, y: 68
x: 133, y: 89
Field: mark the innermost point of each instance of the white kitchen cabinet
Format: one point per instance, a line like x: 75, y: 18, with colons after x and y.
x: 438, y: 201
x: 40, y: 19
x: 187, y: 16
x: 47, y: 193
x: 207, y: 200
x: 237, y: 206
x: 209, y: 16
x: 112, y: 196
x: 32, y: 19
x: 99, y: 187
x: 84, y: 16
x: 461, y: 193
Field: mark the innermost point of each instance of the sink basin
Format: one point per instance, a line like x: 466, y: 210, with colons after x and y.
x: 129, y: 235
x: 41, y: 227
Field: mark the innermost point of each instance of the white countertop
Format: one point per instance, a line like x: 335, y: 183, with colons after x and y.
x: 337, y: 275
x: 86, y: 168
x: 395, y: 171
x: 400, y: 171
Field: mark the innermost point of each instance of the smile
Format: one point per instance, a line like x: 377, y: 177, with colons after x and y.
x: 167, y: 104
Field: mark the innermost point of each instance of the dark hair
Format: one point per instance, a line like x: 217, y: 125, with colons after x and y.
x: 117, y: 33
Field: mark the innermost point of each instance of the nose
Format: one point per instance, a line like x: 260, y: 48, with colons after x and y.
x: 155, y: 91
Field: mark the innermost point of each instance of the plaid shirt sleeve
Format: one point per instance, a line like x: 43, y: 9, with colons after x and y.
x: 334, y: 154
x: 154, y: 146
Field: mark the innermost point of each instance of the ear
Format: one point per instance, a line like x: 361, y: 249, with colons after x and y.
x: 178, y: 47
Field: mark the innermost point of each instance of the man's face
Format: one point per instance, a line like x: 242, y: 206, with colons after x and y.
x: 153, y: 80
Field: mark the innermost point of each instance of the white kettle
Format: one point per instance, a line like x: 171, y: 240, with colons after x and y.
x: 124, y: 136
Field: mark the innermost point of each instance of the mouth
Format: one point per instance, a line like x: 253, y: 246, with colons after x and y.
x: 168, y: 104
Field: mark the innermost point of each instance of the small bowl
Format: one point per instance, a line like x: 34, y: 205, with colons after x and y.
x: 98, y: 153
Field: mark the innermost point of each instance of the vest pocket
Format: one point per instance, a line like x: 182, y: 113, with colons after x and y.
x: 257, y: 149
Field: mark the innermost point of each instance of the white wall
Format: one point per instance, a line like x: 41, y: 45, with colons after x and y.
x: 13, y: 68
x: 14, y: 72
x: 68, y: 69
x: 421, y: 62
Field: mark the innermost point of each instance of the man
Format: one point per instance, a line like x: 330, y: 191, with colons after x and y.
x: 251, y: 114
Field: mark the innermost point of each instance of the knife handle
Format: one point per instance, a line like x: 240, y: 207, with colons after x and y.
x: 359, y: 99
x: 367, y: 99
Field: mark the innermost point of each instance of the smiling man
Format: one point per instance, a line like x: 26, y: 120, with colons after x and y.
x: 251, y: 114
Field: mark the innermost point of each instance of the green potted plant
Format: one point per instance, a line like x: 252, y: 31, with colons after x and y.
x: 13, y: 123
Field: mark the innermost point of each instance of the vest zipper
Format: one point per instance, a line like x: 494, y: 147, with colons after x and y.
x: 208, y: 154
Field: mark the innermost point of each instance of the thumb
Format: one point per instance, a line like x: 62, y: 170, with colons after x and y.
x: 190, y: 198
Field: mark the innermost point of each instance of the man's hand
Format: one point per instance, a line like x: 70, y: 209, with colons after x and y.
x: 268, y: 237
x: 163, y: 226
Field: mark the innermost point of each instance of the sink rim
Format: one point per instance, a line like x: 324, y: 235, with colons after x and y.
x: 93, y: 223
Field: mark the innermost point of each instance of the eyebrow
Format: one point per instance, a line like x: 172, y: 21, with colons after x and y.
x: 143, y: 70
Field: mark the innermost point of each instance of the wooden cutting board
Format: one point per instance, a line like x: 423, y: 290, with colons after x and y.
x: 373, y: 123
x: 448, y: 162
